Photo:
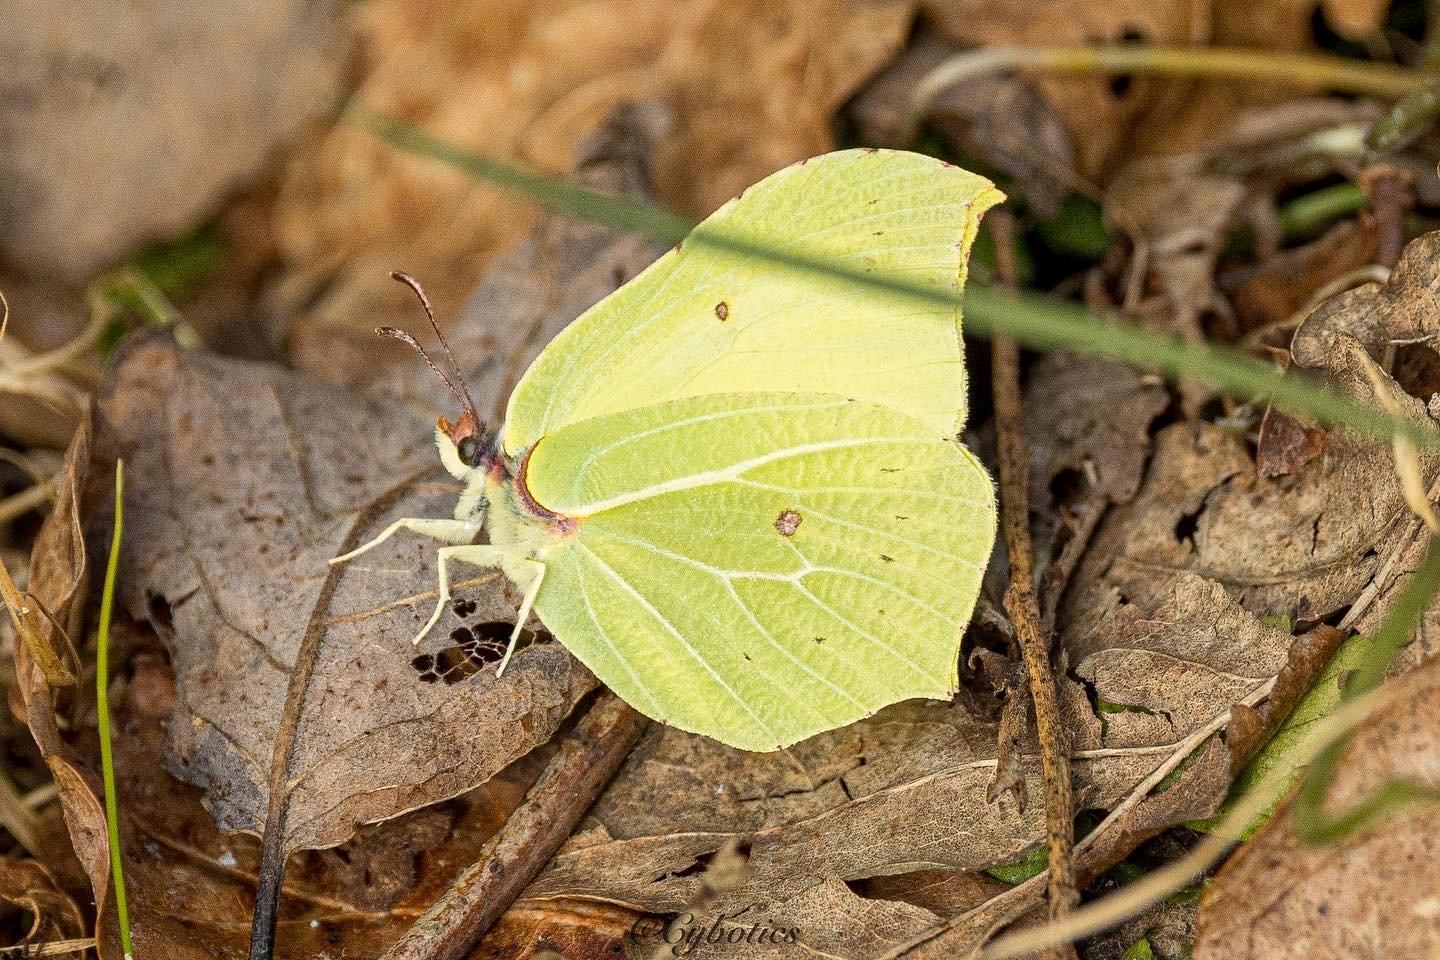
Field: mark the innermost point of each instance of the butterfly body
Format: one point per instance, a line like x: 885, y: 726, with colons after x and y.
x: 738, y: 493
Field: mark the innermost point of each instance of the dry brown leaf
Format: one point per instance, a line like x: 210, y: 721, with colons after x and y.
x: 1399, y: 311
x: 1268, y: 295
x: 59, y: 570
x: 191, y: 886
x: 1090, y: 417
x: 244, y: 481
x: 58, y: 578
x: 752, y: 86
x: 1300, y: 547
x: 1286, y: 444
x: 1163, y: 673
x: 1376, y: 893
x: 1378, y: 316
x: 238, y: 475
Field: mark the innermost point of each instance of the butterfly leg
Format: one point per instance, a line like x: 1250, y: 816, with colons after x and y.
x: 480, y: 554
x: 536, y: 571
x: 451, y: 531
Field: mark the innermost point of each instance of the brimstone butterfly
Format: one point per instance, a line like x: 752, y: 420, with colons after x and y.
x: 735, y: 489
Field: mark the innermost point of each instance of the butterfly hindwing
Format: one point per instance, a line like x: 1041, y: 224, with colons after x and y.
x: 760, y: 567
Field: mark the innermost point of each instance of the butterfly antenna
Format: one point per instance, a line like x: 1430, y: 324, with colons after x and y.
x: 404, y: 337
x: 462, y: 393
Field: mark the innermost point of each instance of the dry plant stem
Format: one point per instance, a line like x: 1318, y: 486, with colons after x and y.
x: 1024, y: 612
x: 584, y: 764
x: 58, y: 948
x: 1304, y: 69
x: 1023, y: 607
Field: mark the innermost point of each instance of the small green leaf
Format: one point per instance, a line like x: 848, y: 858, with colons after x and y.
x: 1018, y: 871
x: 1139, y: 950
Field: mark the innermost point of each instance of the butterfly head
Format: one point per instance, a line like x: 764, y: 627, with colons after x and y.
x: 464, y: 446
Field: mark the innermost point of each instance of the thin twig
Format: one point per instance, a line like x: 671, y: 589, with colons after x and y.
x: 1391, y: 190
x: 584, y: 764
x: 1022, y: 605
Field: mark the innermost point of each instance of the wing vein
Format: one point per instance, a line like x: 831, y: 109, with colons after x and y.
x: 689, y: 648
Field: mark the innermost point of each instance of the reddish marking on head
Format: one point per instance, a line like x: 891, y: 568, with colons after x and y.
x: 559, y: 523
x: 466, y: 426
x: 787, y: 523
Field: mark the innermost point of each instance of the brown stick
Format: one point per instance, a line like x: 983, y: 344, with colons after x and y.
x: 584, y: 764
x: 1392, y: 196
x: 1024, y: 609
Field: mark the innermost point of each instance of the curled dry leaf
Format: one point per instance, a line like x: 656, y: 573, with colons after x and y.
x: 1002, y: 121
x: 26, y: 886
x: 58, y: 582
x: 1399, y: 311
x: 59, y: 569
x: 244, y: 481
x: 1374, y: 893
x: 752, y: 84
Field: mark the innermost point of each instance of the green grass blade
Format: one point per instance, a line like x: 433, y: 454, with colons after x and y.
x: 1038, y: 321
x: 102, y: 707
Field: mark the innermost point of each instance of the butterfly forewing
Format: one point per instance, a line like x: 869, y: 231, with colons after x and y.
x: 704, y: 320
x: 762, y: 567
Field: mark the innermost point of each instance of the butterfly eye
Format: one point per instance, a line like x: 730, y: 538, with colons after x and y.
x: 469, y: 451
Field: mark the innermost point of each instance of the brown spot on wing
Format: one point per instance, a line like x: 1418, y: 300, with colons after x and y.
x: 787, y: 523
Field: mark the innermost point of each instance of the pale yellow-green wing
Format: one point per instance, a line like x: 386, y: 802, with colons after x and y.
x: 761, y: 567
x: 705, y: 320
